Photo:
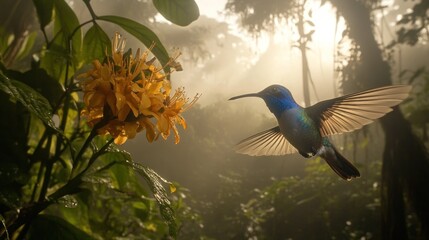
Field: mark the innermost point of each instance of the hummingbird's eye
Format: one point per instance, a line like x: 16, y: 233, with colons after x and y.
x: 276, y: 91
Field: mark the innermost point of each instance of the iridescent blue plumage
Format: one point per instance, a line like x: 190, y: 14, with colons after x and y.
x: 305, y: 130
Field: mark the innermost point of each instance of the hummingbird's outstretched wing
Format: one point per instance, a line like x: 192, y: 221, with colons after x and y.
x: 266, y: 143
x: 351, y: 112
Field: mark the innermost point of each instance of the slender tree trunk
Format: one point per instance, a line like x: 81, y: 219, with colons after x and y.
x: 405, y: 159
x: 303, y: 48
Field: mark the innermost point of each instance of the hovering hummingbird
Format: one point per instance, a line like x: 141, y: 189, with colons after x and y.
x: 305, y: 130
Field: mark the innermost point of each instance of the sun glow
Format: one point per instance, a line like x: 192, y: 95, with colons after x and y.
x: 252, y: 63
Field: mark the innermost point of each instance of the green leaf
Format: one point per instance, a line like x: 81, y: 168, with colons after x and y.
x: 51, y: 227
x: 44, y: 11
x: 144, y: 34
x: 67, y: 26
x: 152, y: 178
x: 155, y: 183
x: 38, y: 79
x: 67, y: 19
x: 27, y: 46
x: 180, y: 12
x: 33, y: 101
x: 123, y: 176
x: 95, y: 43
x: 54, y: 61
x: 140, y: 209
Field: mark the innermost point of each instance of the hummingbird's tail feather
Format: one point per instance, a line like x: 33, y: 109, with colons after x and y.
x: 339, y: 164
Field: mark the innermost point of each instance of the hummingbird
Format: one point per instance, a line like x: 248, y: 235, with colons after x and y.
x: 305, y: 130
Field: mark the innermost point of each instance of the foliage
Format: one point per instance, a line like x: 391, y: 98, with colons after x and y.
x: 418, y: 108
x: 257, y: 16
x: 413, y: 25
x: 57, y: 175
x: 316, y: 207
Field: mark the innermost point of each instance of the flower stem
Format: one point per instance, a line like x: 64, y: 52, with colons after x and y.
x: 82, y: 150
x: 91, y: 11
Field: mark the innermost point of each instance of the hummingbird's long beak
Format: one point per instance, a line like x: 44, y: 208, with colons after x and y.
x: 246, y: 95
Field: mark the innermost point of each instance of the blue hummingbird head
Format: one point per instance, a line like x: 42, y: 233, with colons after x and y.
x: 276, y: 97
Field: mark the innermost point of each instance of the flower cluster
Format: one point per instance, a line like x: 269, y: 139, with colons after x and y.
x: 125, y: 95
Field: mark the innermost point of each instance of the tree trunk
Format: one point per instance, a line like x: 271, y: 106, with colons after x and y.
x: 303, y: 48
x: 405, y: 159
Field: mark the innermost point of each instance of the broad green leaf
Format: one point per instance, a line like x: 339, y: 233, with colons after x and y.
x: 5, y: 39
x: 123, y: 176
x: 68, y: 21
x: 121, y: 155
x: 77, y: 215
x: 38, y: 79
x: 180, y: 12
x: 51, y: 227
x: 155, y: 183
x: 30, y: 99
x: 152, y: 178
x: 144, y: 34
x: 44, y: 11
x: 54, y: 61
x: 28, y: 45
x: 95, y: 44
x: 66, y: 27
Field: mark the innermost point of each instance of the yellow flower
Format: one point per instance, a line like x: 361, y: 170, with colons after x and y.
x: 126, y: 95
x: 171, y: 114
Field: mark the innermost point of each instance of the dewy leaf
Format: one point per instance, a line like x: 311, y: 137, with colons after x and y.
x: 52, y: 227
x: 180, y: 12
x: 154, y: 182
x: 44, y: 11
x: 144, y: 34
x: 30, y: 99
x: 95, y: 44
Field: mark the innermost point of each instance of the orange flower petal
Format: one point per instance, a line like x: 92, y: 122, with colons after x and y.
x: 123, y: 113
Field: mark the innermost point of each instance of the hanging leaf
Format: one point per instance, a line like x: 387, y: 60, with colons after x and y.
x: 95, y: 44
x: 68, y: 21
x: 44, y: 11
x: 155, y: 183
x: 67, y: 26
x: 33, y: 101
x: 180, y: 12
x: 144, y: 34
x: 27, y: 46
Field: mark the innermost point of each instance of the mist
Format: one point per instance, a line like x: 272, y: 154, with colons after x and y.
x: 107, y: 174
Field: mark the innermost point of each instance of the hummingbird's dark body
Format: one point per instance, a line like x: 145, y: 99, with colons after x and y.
x: 300, y: 131
x: 305, y: 130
